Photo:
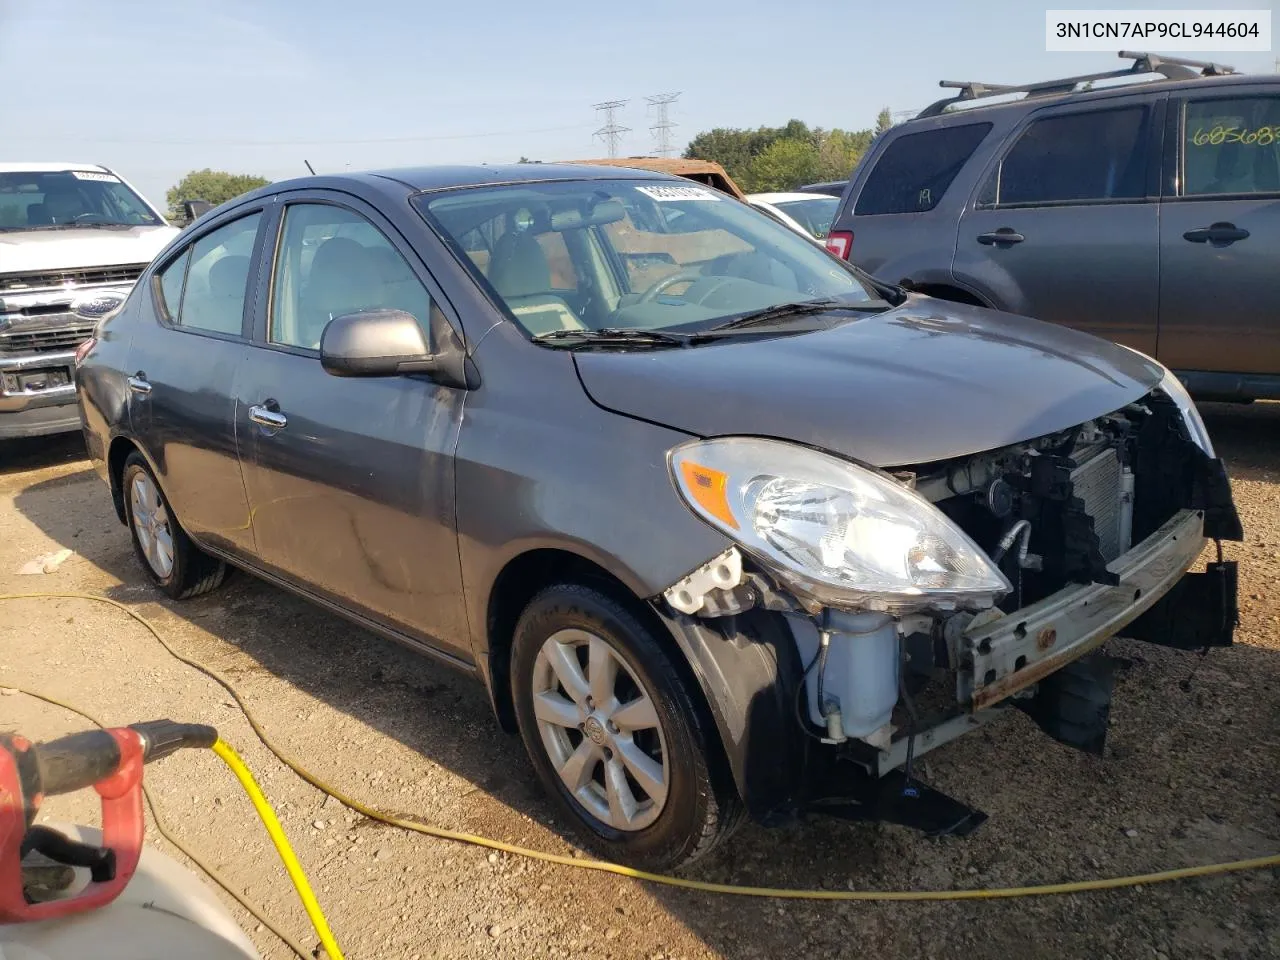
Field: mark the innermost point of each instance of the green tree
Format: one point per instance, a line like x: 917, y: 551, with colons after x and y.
x: 216, y: 186
x: 883, y: 121
x: 839, y: 151
x: 784, y: 165
x: 735, y: 149
x: 798, y: 152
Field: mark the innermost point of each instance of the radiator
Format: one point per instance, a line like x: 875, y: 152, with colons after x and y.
x: 1106, y: 488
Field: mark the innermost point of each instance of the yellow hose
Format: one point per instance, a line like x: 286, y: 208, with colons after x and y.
x: 274, y: 830
x: 990, y: 893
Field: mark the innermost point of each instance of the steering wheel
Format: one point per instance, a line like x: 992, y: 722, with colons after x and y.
x: 680, y: 276
x: 84, y: 218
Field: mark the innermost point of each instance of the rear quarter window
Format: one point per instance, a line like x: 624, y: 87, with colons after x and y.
x: 915, y: 170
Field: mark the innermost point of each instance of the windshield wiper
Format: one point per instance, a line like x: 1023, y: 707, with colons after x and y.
x: 786, y: 311
x: 613, y: 336
x: 112, y: 225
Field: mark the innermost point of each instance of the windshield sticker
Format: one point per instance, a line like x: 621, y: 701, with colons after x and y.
x: 89, y: 175
x: 664, y: 194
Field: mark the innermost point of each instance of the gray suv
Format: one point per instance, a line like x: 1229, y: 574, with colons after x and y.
x: 1146, y: 213
x: 723, y: 525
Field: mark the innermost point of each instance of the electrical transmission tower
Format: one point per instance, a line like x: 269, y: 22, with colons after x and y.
x: 612, y: 131
x: 661, y: 129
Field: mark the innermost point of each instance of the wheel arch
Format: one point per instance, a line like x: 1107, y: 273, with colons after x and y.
x: 117, y: 453
x: 518, y: 582
x: 743, y: 669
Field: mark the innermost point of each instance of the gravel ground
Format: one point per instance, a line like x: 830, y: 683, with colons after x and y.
x: 1189, y: 776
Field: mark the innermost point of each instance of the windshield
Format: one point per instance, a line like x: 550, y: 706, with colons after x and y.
x: 814, y: 215
x: 632, y: 254
x: 34, y: 201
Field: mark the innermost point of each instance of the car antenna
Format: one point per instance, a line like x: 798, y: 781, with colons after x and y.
x: 309, y: 167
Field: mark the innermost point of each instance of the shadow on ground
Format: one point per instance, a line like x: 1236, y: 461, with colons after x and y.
x: 18, y: 456
x: 1191, y: 768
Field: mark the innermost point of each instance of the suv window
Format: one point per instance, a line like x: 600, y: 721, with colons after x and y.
x: 213, y: 293
x: 333, y: 262
x: 1101, y: 155
x: 1231, y: 146
x: 916, y: 169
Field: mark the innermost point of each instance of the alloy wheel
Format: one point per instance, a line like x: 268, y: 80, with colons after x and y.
x: 600, y: 728
x: 151, y: 524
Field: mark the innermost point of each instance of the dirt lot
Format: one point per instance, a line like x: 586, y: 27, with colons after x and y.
x: 1189, y: 777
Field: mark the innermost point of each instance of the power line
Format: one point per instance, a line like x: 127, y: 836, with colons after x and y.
x: 81, y: 138
x: 612, y: 131
x: 661, y: 130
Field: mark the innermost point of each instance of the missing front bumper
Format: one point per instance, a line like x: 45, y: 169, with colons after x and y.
x: 1012, y: 653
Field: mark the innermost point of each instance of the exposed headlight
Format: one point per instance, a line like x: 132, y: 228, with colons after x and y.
x: 1172, y: 388
x: 834, y: 531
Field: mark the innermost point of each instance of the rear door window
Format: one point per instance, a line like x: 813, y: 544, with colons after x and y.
x: 172, y: 278
x: 215, y: 281
x: 916, y: 169
x: 1231, y: 146
x: 1074, y: 158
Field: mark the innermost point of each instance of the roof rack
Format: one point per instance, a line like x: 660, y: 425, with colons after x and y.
x: 1171, y: 68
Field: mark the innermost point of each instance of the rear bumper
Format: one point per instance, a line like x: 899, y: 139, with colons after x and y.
x: 1024, y: 647
x: 32, y: 408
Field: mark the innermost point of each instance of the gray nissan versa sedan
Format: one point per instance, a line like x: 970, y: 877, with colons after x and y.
x: 724, y: 525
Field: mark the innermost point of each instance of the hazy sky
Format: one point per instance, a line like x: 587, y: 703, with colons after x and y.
x: 155, y: 88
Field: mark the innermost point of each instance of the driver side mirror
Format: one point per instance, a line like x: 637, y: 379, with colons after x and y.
x: 375, y: 343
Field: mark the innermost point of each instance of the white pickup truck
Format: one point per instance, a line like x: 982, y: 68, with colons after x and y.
x: 69, y: 233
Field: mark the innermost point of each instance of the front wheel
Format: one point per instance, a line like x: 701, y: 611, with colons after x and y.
x: 616, y: 734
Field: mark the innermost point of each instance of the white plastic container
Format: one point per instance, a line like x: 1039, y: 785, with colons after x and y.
x: 861, y: 675
x: 165, y: 912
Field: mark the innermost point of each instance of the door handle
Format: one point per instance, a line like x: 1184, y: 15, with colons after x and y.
x: 138, y: 383
x: 1219, y: 234
x: 1004, y: 237
x: 265, y: 416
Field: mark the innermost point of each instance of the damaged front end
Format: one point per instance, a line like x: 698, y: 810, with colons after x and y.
x: 896, y: 624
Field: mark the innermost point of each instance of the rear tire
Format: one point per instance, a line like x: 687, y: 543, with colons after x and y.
x: 174, y: 564
x: 617, y: 736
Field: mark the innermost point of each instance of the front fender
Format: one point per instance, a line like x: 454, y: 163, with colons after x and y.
x: 539, y: 466
x: 748, y: 669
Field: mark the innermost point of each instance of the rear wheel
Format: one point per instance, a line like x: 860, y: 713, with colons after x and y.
x: 173, y: 562
x: 615, y: 733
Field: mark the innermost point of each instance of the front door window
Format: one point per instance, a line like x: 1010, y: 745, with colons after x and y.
x: 332, y: 262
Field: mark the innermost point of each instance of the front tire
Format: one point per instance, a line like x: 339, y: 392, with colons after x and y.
x: 616, y: 735
x: 171, y: 560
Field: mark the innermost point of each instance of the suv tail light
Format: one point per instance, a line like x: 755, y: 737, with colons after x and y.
x: 840, y: 242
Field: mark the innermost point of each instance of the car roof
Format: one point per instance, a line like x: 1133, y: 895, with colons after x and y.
x: 48, y: 167
x: 981, y: 108
x: 789, y: 197
x: 443, y: 178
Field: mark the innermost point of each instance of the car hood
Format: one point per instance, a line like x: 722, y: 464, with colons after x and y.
x: 33, y: 251
x: 928, y: 380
